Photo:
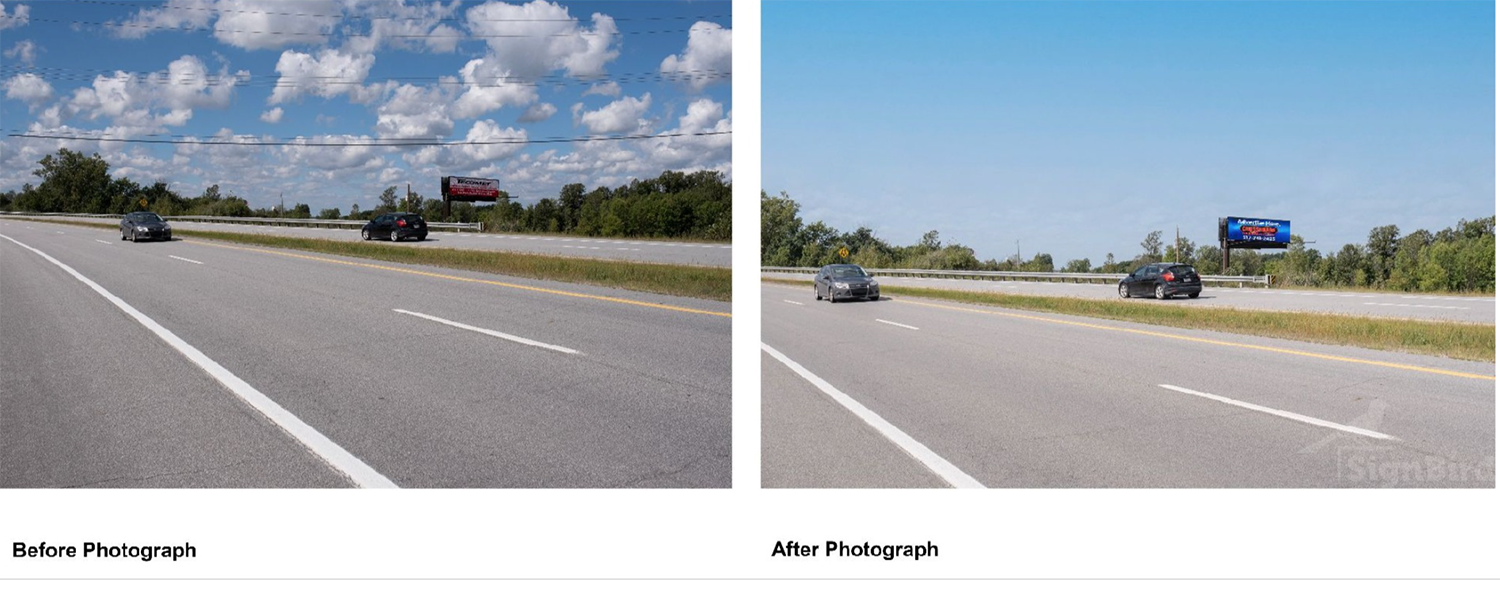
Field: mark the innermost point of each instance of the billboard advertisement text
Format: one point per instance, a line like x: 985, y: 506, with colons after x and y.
x: 1246, y: 229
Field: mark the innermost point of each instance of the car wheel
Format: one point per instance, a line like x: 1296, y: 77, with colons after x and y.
x: 816, y: 293
x: 364, y: 234
x: 122, y: 235
x: 1161, y: 292
x: 1193, y: 295
x: 395, y: 237
x: 131, y: 236
x: 1124, y: 291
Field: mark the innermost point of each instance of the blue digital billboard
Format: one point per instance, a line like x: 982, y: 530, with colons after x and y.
x: 1246, y: 229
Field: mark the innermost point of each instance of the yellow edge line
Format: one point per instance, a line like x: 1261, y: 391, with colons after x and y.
x: 1328, y: 357
x: 469, y: 280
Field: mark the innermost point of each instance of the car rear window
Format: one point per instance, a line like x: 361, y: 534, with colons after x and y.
x: 412, y: 218
x: 1183, y: 269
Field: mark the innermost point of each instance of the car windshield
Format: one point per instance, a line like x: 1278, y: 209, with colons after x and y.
x: 145, y: 217
x: 846, y: 272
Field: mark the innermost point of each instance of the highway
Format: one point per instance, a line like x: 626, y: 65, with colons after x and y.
x: 194, y: 363
x: 1477, y: 310
x: 661, y: 251
x: 907, y: 392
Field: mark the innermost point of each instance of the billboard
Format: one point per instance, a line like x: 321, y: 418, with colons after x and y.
x: 1248, y: 232
x: 459, y: 188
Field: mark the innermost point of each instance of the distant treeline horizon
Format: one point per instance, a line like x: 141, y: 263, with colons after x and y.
x: 1456, y: 259
x: 672, y: 205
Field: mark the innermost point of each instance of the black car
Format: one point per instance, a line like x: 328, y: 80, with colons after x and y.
x: 1162, y: 280
x: 845, y: 280
x: 144, y: 225
x: 395, y: 227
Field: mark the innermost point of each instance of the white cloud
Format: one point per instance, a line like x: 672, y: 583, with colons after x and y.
x: 272, y: 24
x: 618, y: 116
x: 329, y: 74
x: 532, y: 39
x: 486, y: 143
x: 188, y: 85
x: 24, y: 52
x: 411, y: 27
x: 17, y: 18
x: 335, y: 158
x: 537, y: 112
x: 272, y: 116
x: 190, y: 14
x: 28, y: 88
x: 706, y: 58
x: 128, y: 99
x: 489, y: 87
x: 415, y: 112
x: 604, y: 89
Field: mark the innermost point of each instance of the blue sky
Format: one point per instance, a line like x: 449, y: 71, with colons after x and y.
x: 1077, y: 128
x: 326, y: 71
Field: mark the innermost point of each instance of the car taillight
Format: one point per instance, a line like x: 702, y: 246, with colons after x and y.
x: 1168, y: 276
x: 400, y: 223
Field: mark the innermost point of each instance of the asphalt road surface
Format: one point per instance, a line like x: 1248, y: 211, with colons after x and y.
x: 907, y: 392
x: 203, y: 364
x: 1479, y: 310
x: 700, y: 254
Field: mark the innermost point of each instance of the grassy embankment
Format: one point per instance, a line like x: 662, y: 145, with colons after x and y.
x: 668, y: 279
x: 1475, y: 342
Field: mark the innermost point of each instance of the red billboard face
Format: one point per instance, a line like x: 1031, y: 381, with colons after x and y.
x: 473, y: 189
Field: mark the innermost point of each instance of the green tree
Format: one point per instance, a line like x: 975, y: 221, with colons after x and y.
x: 1151, y: 248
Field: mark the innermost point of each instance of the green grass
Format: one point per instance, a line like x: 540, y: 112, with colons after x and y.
x: 1474, y: 342
x: 668, y: 279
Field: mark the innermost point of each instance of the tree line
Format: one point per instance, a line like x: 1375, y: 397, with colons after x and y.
x: 1456, y: 259
x: 672, y: 205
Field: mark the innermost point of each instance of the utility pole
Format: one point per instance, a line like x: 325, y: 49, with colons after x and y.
x: 1177, y: 247
x: 1018, y: 254
x: 281, y: 209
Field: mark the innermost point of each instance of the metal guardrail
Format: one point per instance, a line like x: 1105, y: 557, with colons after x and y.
x: 999, y: 275
x: 348, y: 223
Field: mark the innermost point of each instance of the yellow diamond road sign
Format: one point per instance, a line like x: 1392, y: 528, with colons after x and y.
x: 843, y: 252
x: 143, y: 203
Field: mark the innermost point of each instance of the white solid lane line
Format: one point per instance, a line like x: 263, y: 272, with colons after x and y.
x: 938, y: 465
x: 339, y: 459
x: 502, y: 335
x: 103, y: 242
x: 898, y: 325
x: 792, y: 302
x: 1283, y: 414
x: 184, y: 259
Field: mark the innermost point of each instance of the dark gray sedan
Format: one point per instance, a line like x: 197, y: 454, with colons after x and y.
x: 847, y: 281
x: 144, y: 225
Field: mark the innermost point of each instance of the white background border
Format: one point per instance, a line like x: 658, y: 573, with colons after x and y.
x: 728, y: 534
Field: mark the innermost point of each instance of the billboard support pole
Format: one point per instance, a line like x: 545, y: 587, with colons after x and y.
x: 1224, y: 248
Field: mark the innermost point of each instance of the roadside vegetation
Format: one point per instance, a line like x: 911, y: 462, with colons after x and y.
x: 674, y: 205
x: 666, y: 279
x: 1475, y: 342
x: 1459, y: 259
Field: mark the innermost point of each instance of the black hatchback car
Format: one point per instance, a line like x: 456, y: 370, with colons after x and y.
x: 144, y: 225
x: 1162, y: 280
x: 845, y: 280
x: 395, y: 227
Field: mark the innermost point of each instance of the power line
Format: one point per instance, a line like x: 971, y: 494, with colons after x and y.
x: 165, y: 8
x: 371, y: 34
x: 379, y: 143
x: 279, y: 81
